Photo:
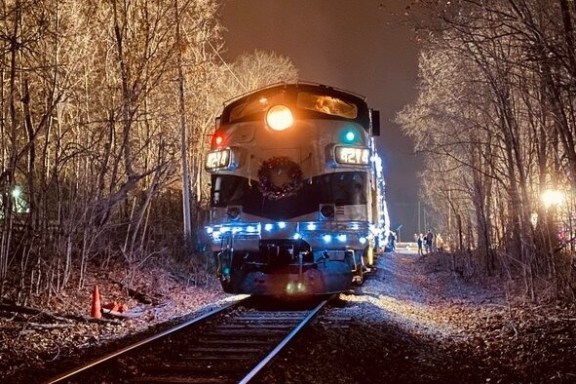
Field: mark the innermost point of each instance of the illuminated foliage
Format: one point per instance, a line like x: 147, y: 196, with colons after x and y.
x: 95, y: 98
x: 495, y: 123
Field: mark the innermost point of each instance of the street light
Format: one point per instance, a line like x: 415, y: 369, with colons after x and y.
x: 16, y: 192
x: 552, y: 197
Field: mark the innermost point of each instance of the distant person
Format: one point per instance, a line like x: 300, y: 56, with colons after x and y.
x: 439, y: 243
x: 392, y: 241
x: 428, y: 241
x: 420, y: 242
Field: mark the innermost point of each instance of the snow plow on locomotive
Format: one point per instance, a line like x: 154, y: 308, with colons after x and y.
x: 297, y: 204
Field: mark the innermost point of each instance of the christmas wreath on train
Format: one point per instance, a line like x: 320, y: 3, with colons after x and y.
x: 279, y: 177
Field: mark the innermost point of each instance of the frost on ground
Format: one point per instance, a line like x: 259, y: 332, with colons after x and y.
x: 415, y: 293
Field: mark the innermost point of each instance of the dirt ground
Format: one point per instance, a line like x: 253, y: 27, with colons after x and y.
x: 413, y: 321
x: 44, y: 339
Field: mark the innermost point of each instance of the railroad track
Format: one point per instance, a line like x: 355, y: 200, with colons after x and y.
x: 227, y: 345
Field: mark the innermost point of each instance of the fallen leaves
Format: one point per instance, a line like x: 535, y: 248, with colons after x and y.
x: 34, y: 339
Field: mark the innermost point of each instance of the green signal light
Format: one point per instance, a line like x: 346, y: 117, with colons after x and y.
x: 349, y: 135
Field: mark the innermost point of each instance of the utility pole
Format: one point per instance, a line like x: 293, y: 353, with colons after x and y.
x: 184, y: 144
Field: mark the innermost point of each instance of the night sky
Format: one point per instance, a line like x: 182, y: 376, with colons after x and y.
x: 363, y: 46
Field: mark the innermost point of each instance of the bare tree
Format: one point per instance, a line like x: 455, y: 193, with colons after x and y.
x: 494, y: 104
x: 101, y: 103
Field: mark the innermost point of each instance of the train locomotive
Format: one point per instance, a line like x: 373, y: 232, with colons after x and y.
x: 296, y: 200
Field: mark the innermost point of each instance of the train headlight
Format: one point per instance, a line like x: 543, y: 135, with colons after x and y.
x: 351, y: 155
x: 279, y: 117
x: 218, y: 159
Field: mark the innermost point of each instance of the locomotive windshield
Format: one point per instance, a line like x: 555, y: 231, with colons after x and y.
x: 327, y: 104
x: 254, y: 105
x: 311, y: 102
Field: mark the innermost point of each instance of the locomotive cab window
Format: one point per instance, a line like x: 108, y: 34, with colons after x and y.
x: 253, y: 107
x: 327, y: 104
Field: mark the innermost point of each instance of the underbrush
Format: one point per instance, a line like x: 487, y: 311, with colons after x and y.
x: 150, y: 282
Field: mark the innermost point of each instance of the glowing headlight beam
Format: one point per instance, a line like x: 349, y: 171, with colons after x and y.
x: 279, y: 118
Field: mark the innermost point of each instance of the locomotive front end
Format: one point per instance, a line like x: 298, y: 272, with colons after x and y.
x: 292, y: 191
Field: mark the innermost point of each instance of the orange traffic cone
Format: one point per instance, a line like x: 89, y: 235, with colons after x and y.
x: 96, y: 312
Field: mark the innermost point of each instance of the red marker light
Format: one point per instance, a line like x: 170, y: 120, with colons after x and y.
x: 217, y: 139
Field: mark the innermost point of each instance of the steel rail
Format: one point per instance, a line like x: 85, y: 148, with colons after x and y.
x: 283, y: 343
x: 121, y: 351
